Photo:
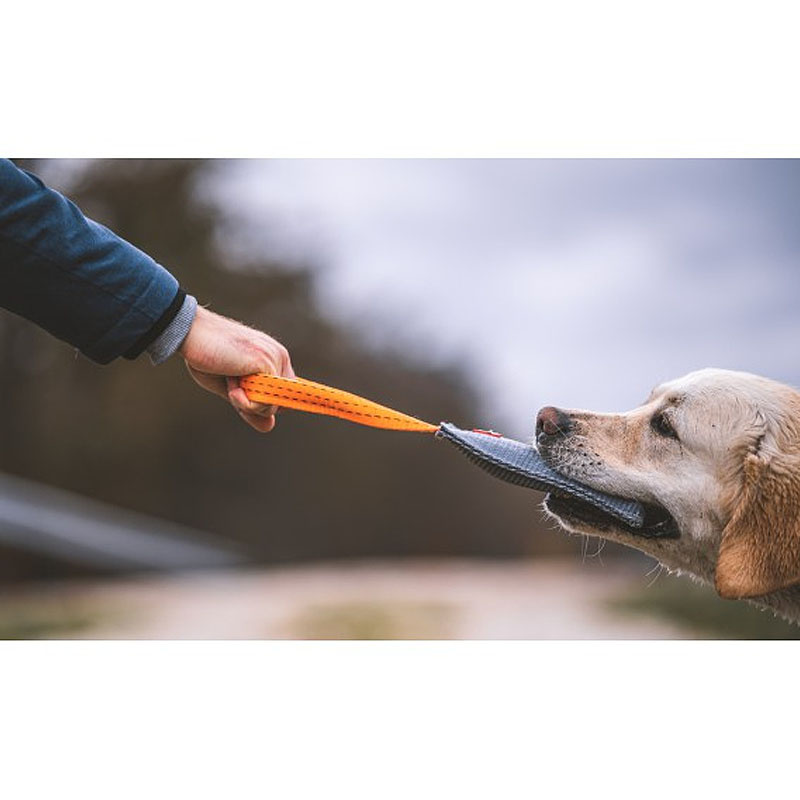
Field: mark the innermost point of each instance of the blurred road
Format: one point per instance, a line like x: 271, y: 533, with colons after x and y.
x: 372, y: 600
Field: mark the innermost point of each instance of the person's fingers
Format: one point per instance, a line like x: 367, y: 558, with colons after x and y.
x: 211, y: 383
x: 275, y: 359
x: 288, y: 368
x: 268, y: 357
x: 285, y: 369
x: 257, y: 415
x: 261, y: 423
x: 239, y: 400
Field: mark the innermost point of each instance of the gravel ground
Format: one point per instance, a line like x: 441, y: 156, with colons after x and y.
x: 397, y: 599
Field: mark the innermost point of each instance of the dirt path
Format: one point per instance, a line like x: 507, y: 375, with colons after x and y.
x: 411, y: 599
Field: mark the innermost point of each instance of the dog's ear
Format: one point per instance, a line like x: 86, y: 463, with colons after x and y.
x: 759, y: 551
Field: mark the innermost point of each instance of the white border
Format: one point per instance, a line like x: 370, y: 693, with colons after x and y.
x: 398, y: 720
x: 416, y: 79
x: 433, y: 78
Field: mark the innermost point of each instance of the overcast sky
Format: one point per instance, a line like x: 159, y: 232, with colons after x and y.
x: 574, y: 283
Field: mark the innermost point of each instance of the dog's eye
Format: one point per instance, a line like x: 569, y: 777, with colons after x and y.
x: 661, y: 425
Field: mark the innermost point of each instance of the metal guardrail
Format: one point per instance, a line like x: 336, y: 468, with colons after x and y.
x: 78, y: 529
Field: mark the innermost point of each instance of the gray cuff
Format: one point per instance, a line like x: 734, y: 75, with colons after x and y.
x: 173, y: 335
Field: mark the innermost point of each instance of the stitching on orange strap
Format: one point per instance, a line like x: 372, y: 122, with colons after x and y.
x: 271, y: 391
x: 332, y: 397
x: 400, y: 418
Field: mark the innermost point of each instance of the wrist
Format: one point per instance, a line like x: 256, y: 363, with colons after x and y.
x: 201, y: 316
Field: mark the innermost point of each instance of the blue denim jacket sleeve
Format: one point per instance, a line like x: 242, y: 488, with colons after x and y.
x: 74, y: 277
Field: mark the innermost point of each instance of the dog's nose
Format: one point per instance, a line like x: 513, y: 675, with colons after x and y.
x: 552, y: 421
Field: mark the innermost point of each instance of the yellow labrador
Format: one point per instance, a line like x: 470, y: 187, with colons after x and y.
x: 715, y: 458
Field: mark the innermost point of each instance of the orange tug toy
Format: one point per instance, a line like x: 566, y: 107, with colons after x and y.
x: 317, y: 398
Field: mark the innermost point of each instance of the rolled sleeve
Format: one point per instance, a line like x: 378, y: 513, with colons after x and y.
x: 167, y: 343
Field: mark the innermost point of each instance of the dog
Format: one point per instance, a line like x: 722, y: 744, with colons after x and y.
x: 714, y: 457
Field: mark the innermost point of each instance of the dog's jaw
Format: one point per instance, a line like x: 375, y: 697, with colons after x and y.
x: 687, y: 556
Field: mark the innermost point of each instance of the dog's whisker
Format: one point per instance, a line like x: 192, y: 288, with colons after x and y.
x: 584, y: 548
x: 652, y: 569
x: 657, y: 575
x: 601, y: 543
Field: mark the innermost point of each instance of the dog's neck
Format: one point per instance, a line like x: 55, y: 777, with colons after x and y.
x: 785, y: 603
x: 701, y: 566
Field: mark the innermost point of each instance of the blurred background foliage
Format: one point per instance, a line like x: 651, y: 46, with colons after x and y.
x: 148, y: 439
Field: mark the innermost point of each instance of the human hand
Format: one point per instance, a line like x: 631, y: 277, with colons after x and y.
x: 218, y: 351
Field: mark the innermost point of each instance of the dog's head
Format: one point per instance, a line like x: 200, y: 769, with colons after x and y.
x: 715, y: 455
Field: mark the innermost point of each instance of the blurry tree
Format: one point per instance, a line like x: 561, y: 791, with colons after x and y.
x: 147, y: 438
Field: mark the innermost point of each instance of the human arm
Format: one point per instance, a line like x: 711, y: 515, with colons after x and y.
x: 89, y: 287
x: 74, y: 277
